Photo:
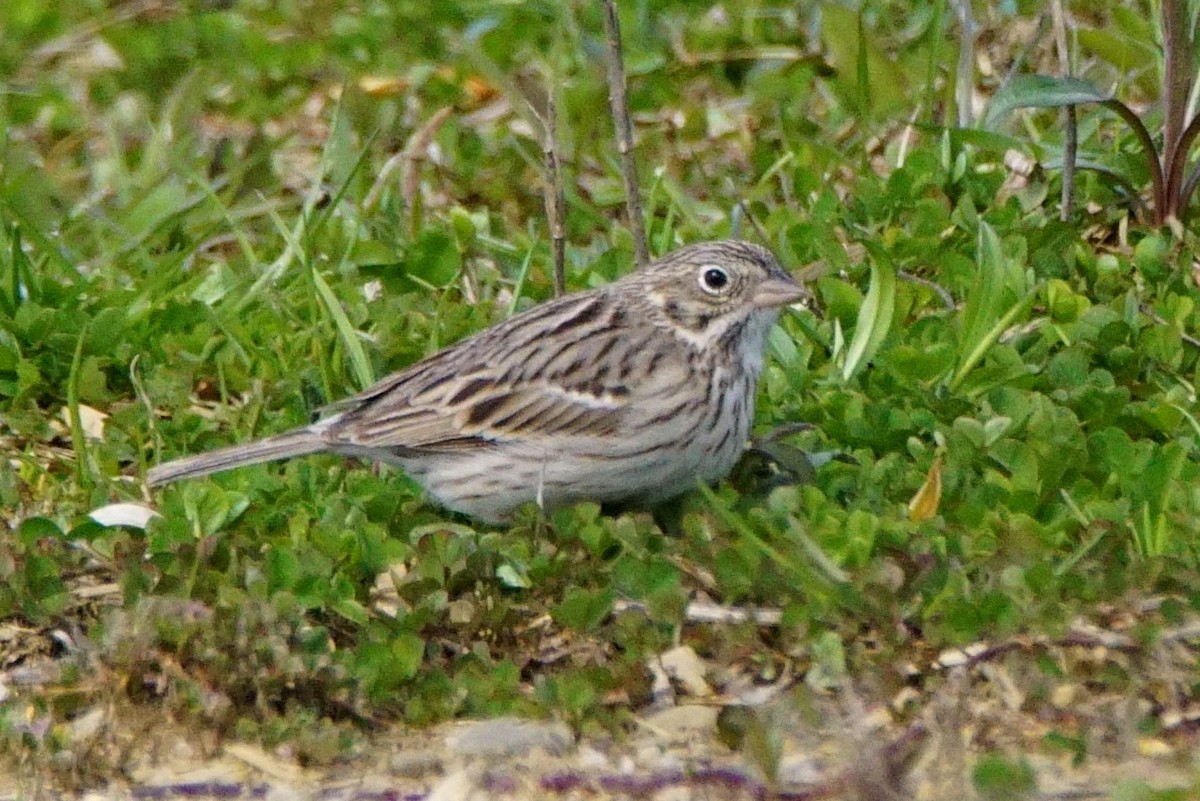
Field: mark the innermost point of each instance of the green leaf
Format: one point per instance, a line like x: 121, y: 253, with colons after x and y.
x: 874, y: 316
x: 828, y: 670
x: 584, y: 610
x: 981, y: 328
x: 435, y: 258
x: 408, y: 651
x: 1158, y: 482
x: 283, y: 569
x: 382, y: 667
x: 977, y: 137
x: 513, y: 577
x: 792, y: 460
x: 43, y: 580
x: 865, y: 75
x: 209, y: 508
x: 998, y: 779
x: 1126, y: 53
x: 1150, y: 256
x: 1041, y: 91
x: 352, y: 610
x: 33, y: 529
x: 1028, y: 91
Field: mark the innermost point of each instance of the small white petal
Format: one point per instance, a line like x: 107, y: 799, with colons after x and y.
x: 133, y: 515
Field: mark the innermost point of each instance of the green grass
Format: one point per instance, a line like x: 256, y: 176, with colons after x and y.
x: 185, y: 246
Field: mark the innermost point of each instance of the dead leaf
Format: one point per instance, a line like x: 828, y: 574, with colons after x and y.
x: 924, y: 504
x: 91, y: 421
x: 479, y: 90
x: 382, y: 86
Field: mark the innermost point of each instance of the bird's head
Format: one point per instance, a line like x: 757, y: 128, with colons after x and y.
x: 703, y: 291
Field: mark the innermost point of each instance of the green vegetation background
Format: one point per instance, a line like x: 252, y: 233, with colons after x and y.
x: 206, y: 234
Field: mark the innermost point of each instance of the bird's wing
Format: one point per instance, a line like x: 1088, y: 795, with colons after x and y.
x: 558, y: 370
x: 476, y: 411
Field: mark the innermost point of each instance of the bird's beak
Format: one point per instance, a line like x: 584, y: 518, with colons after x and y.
x: 779, y: 290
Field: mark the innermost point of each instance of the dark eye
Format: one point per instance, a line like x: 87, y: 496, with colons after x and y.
x: 714, y: 280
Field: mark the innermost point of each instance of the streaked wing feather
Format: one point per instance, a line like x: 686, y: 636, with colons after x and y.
x: 532, y: 377
x: 549, y: 410
x: 514, y: 381
x: 544, y: 410
x: 415, y: 428
x: 496, y: 413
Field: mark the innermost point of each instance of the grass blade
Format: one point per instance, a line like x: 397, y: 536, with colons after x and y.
x: 991, y: 336
x: 346, y: 332
x: 986, y: 297
x: 78, y: 440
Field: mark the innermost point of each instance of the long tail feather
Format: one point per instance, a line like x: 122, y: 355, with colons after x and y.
x: 297, y: 442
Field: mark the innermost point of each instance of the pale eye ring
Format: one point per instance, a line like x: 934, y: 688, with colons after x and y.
x: 714, y: 279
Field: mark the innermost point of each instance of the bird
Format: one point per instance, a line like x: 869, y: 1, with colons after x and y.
x: 632, y: 393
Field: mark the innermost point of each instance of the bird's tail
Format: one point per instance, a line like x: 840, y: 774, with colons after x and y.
x: 297, y: 442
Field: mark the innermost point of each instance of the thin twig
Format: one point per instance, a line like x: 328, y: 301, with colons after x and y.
x: 620, y: 112
x: 1070, y: 146
x: 964, y: 89
x: 556, y: 203
x: 938, y: 289
x: 1071, y: 135
x: 1156, y: 317
x: 1157, y: 178
x: 385, y: 172
x: 1178, y: 188
x: 76, y: 39
x: 1080, y: 635
x: 779, y: 432
x: 1189, y: 188
x: 702, y: 612
x: 758, y: 229
x: 1022, y: 59
x: 415, y: 149
x: 1178, y: 65
x: 1058, y: 18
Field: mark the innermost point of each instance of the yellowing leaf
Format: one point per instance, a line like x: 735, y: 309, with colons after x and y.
x: 479, y: 89
x: 924, y: 503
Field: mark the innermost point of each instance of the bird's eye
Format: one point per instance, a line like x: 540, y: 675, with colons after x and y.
x: 714, y: 280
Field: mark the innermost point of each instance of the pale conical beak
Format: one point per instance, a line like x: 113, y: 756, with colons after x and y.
x: 779, y: 290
